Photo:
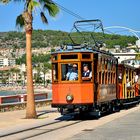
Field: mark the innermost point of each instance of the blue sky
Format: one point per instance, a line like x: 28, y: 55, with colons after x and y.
x: 111, y: 12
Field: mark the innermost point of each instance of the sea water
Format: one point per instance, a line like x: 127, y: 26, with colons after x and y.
x: 18, y: 92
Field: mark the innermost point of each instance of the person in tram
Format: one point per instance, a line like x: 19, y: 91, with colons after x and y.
x: 73, y: 74
x: 120, y: 78
x: 136, y: 77
x: 87, y: 74
x: 127, y: 82
x: 139, y: 82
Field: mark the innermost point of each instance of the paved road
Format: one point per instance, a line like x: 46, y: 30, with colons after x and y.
x: 123, y: 125
x: 125, y: 128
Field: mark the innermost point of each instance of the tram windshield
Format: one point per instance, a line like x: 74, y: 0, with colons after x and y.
x: 69, y: 72
x: 55, y: 72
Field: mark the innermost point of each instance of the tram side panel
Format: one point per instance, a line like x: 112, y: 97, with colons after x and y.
x: 106, y: 78
x: 107, y: 93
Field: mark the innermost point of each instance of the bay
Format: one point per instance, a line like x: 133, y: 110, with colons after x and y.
x: 18, y: 92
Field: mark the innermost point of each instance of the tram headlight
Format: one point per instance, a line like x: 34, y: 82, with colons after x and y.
x: 69, y: 97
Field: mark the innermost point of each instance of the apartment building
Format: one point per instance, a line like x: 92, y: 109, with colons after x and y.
x: 4, y: 61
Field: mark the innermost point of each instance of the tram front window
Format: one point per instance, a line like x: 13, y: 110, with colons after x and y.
x: 69, y: 72
x: 55, y: 72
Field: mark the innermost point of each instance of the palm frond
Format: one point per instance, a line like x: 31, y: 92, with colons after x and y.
x: 20, y: 22
x: 5, y: 1
x: 45, y: 1
x: 50, y: 6
x: 43, y: 18
x: 32, y: 4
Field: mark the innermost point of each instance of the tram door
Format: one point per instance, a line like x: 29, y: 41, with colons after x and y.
x: 95, y: 77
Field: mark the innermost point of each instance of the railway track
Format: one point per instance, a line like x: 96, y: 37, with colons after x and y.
x: 42, y: 129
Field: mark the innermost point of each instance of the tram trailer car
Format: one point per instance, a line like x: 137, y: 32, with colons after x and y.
x: 128, y: 93
x: 94, y: 95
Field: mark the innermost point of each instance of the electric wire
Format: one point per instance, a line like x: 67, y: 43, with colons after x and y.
x: 69, y: 12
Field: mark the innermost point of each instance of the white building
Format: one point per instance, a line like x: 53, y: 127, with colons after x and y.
x: 127, y: 55
x: 7, y: 61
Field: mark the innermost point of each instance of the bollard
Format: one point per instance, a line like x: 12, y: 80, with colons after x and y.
x: 0, y: 100
x: 22, y: 98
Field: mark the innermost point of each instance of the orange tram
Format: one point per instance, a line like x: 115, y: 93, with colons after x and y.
x: 107, y: 87
x: 88, y: 80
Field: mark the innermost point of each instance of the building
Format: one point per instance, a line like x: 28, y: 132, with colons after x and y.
x: 4, y: 61
x: 127, y: 55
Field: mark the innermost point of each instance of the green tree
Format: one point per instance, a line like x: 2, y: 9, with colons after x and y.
x: 37, y: 74
x: 26, y: 20
x: 12, y: 71
x: 45, y: 69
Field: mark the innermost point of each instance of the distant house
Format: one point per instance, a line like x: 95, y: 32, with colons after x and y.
x: 127, y: 55
x: 5, y: 61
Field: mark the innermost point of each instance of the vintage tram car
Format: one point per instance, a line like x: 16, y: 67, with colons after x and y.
x: 98, y: 92
x: 128, y: 92
x: 93, y: 95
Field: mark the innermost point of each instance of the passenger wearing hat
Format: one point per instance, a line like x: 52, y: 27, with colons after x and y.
x: 73, y: 74
x: 86, y: 75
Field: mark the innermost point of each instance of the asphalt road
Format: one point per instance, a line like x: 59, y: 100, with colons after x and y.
x: 124, y: 128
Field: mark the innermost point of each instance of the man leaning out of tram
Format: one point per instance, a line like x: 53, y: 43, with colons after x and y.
x: 87, y: 74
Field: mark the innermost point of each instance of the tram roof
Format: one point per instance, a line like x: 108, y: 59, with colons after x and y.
x: 126, y: 66
x: 80, y: 49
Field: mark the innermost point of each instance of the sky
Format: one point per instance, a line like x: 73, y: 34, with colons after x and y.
x: 111, y: 12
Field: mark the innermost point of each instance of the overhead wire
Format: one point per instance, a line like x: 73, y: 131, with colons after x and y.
x: 69, y: 11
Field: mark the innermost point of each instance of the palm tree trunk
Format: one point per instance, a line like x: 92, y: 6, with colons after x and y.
x: 30, y: 111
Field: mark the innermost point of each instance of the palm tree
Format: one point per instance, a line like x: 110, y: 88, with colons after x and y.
x: 26, y: 20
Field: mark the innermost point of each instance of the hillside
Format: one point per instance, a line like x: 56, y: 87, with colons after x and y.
x: 42, y: 39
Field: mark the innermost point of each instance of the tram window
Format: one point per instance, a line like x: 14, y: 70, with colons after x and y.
x: 109, y: 65
x: 106, y: 78
x: 100, y: 60
x: 69, y: 72
x: 106, y: 63
x: 72, y: 56
x: 55, y: 72
x: 86, y: 71
x: 114, y: 78
x: 103, y: 77
x: 54, y: 57
x: 114, y: 67
x: 130, y: 75
x: 86, y: 56
x: 99, y: 77
x: 109, y: 78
